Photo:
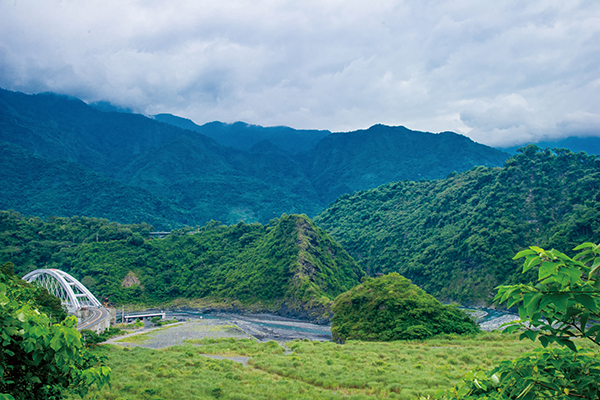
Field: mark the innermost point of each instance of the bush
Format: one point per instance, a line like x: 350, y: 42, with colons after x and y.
x: 391, y: 308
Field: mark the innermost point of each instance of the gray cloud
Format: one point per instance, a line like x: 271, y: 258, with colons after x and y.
x: 502, y: 73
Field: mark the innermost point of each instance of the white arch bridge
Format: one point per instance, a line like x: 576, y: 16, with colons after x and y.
x: 76, y: 298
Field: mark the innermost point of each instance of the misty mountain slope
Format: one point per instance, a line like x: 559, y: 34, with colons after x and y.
x: 65, y: 128
x: 456, y: 237
x: 211, y: 180
x: 346, y: 162
x: 244, y: 136
x: 44, y: 187
x: 214, y: 182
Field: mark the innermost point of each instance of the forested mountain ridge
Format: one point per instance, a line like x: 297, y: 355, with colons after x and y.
x: 261, y: 180
x: 290, y: 266
x: 347, y: 162
x: 244, y: 136
x: 456, y: 237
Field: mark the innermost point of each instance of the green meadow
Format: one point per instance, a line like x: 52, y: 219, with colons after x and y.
x: 319, y: 370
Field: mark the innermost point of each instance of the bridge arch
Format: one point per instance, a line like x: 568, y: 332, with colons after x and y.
x: 69, y: 290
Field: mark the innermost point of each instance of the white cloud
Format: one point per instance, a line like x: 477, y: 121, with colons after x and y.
x: 502, y: 73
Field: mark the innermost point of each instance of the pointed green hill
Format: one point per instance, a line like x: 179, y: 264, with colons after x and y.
x: 350, y: 161
x: 290, y: 266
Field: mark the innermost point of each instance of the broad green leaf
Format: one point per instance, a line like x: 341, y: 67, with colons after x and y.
x: 593, y: 331
x: 546, y: 269
x: 56, y: 343
x: 531, y: 302
x: 595, y: 266
x: 524, y: 253
x: 568, y: 343
x: 529, y: 334
x: 510, y: 328
x: 583, y: 321
x: 560, y: 301
x: 531, y: 262
x: 574, y: 273
x: 584, y: 246
x: 587, y: 301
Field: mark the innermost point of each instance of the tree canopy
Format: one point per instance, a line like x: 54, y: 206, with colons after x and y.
x: 561, y: 310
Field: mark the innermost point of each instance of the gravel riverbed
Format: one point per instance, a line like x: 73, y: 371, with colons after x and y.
x: 261, y: 327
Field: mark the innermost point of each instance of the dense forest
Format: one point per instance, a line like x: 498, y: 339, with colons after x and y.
x: 64, y: 157
x: 456, y: 237
x: 290, y: 265
x: 36, y: 184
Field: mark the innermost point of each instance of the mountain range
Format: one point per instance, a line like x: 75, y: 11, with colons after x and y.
x: 125, y: 166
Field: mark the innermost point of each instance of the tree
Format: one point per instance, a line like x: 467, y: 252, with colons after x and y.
x: 563, y: 306
x: 41, y: 359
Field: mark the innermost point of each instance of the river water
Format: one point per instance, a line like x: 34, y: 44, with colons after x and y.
x: 273, y: 327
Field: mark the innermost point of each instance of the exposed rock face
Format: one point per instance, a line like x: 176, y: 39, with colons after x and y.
x: 130, y: 280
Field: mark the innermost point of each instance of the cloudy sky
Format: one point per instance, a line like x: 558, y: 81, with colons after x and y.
x: 501, y: 72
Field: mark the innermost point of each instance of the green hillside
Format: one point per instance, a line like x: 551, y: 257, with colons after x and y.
x: 456, y: 237
x: 290, y: 265
x: 44, y: 187
x: 351, y: 161
x: 229, y: 185
x: 272, y: 171
x: 245, y: 136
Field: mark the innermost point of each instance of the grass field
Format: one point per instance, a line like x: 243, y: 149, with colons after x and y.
x: 319, y: 370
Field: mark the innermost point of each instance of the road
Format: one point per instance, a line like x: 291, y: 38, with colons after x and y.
x: 98, y: 314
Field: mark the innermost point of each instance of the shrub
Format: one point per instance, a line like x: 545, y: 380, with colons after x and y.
x: 391, y: 308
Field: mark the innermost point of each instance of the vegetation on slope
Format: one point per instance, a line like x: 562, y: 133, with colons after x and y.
x: 455, y: 237
x: 42, y: 357
x: 347, y: 162
x: 230, y: 185
x: 289, y: 264
x: 43, y: 187
x: 392, y: 308
x: 245, y: 136
x: 276, y: 172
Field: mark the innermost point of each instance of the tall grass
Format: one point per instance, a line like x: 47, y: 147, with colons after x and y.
x: 315, y: 370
